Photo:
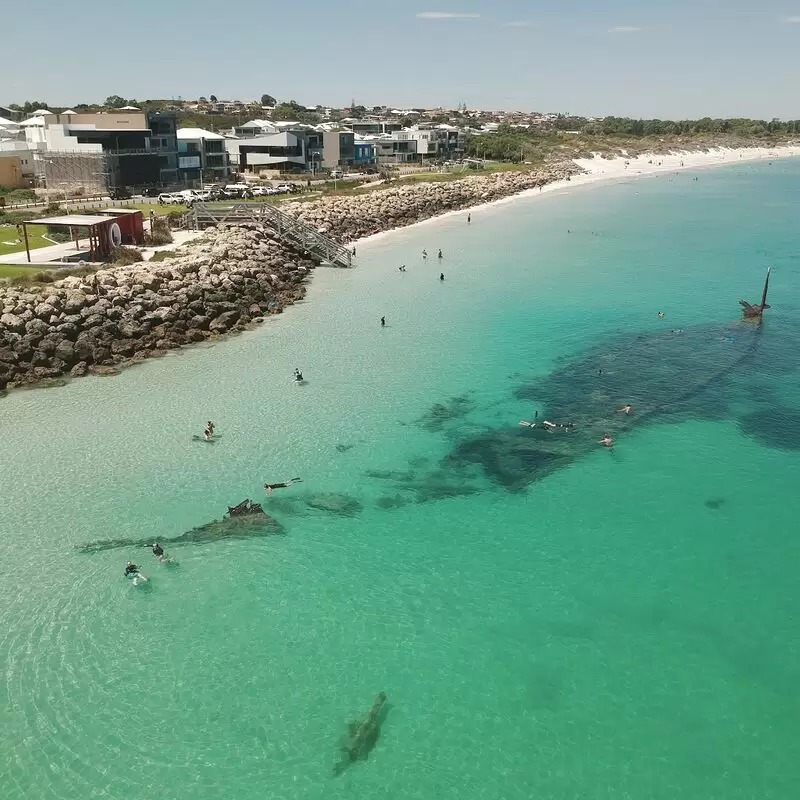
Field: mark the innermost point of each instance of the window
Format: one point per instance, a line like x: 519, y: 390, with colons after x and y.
x: 191, y: 147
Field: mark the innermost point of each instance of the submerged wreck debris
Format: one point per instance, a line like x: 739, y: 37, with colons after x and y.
x: 755, y: 313
x: 777, y: 427
x: 427, y: 487
x: 391, y: 501
x: 232, y: 526
x: 663, y: 376
x: 246, y: 508
x: 442, y: 413
x: 362, y: 734
x: 335, y: 503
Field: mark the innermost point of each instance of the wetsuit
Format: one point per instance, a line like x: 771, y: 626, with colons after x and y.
x: 270, y: 486
x: 131, y: 569
x: 158, y: 550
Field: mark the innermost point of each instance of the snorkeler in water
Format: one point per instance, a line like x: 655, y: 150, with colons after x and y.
x: 268, y: 487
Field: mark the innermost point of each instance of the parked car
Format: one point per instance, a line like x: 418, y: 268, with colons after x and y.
x: 168, y: 199
x: 120, y: 193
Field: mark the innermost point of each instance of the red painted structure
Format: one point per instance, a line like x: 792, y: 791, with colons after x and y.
x: 105, y: 230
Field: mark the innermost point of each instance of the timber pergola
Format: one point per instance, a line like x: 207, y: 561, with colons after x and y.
x: 97, y: 244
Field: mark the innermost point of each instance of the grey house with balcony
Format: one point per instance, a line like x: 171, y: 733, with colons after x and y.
x: 164, y: 142
x: 202, y: 156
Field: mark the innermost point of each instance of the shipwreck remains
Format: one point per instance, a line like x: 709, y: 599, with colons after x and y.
x: 362, y: 734
x: 245, y: 521
x: 755, y: 313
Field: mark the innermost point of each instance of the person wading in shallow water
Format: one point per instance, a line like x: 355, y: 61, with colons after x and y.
x: 441, y: 276
x: 383, y: 322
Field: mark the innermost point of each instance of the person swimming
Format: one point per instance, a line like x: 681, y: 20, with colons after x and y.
x: 402, y: 268
x: 661, y: 315
x: 132, y: 571
x: 424, y: 254
x: 158, y: 551
x: 627, y: 409
x: 298, y: 376
x: 606, y: 441
x: 268, y: 487
x: 441, y: 276
x: 440, y: 256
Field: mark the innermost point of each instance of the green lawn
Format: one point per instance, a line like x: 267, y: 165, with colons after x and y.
x: 14, y: 270
x: 8, y: 233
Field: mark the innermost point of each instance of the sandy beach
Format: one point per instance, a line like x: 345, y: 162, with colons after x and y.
x: 600, y: 170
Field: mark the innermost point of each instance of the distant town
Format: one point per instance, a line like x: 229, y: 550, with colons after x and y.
x: 123, y: 146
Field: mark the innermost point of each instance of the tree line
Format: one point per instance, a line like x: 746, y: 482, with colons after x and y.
x: 625, y: 126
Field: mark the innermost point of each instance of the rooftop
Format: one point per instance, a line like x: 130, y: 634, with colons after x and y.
x: 71, y: 220
x: 197, y: 133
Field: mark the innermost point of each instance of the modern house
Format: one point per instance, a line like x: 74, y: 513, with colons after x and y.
x: 390, y: 150
x: 364, y: 126
x: 104, y: 150
x: 202, y: 155
x: 276, y: 151
x: 256, y: 127
x: 338, y: 149
x: 11, y: 171
x: 363, y: 153
x: 164, y: 141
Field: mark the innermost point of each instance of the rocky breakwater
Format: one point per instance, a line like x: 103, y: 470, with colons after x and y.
x: 122, y: 315
x: 352, y: 217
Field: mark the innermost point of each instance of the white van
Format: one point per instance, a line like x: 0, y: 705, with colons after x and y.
x: 336, y: 174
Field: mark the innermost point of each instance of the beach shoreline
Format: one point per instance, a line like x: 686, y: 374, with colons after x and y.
x: 599, y: 170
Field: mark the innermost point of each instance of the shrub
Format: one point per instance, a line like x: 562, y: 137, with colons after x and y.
x: 15, y: 217
x: 123, y: 256
x: 163, y: 255
x: 159, y: 232
x: 174, y: 218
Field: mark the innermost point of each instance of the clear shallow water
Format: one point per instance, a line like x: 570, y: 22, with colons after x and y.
x: 606, y: 634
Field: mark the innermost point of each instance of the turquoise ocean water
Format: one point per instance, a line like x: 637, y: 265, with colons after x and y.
x: 625, y: 628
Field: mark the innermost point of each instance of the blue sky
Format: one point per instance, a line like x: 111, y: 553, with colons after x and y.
x: 685, y: 58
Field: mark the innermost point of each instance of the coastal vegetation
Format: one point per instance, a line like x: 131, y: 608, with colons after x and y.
x: 575, y: 137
